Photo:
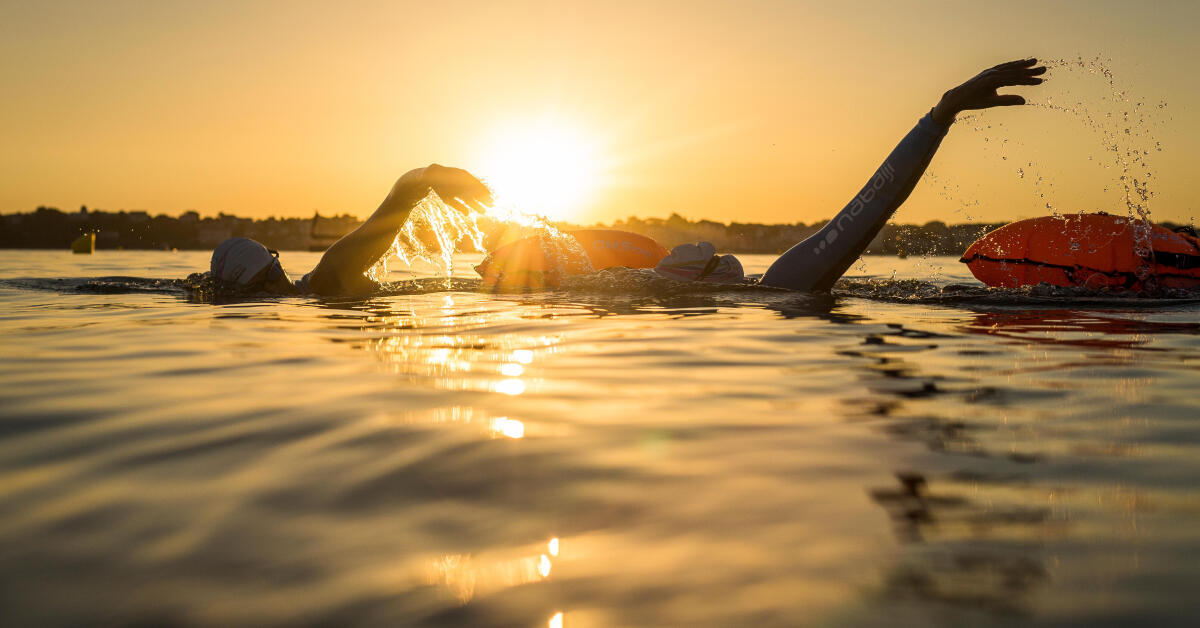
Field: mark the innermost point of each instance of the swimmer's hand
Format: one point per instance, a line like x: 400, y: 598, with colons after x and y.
x: 456, y: 187
x: 980, y: 91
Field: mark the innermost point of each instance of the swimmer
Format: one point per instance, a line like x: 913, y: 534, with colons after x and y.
x: 817, y: 262
x: 812, y: 265
x: 342, y: 269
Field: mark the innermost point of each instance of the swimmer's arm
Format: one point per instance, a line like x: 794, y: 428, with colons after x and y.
x: 818, y: 261
x: 343, y: 266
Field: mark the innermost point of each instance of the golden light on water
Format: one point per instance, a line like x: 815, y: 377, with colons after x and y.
x: 466, y: 575
x: 512, y: 387
x: 511, y: 428
x: 546, y: 166
x: 511, y: 370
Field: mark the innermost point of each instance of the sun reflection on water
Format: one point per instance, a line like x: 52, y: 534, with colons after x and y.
x: 512, y: 387
x: 466, y: 576
x: 505, y: 426
x: 511, y: 370
x: 451, y: 343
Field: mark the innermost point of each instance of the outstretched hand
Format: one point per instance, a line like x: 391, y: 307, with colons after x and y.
x: 455, y: 186
x: 980, y: 91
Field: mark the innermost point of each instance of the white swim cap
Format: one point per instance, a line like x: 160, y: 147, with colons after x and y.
x: 700, y: 262
x: 243, y: 261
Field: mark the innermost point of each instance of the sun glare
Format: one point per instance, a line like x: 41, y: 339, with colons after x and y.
x: 544, y: 166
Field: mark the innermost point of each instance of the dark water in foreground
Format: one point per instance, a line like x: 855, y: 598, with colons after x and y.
x: 594, y: 459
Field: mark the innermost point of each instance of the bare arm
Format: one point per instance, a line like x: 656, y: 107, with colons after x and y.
x: 818, y: 261
x: 342, y: 269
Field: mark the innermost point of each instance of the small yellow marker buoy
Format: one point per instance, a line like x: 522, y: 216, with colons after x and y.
x: 85, y: 243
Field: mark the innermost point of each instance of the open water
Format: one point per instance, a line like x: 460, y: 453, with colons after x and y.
x: 910, y: 450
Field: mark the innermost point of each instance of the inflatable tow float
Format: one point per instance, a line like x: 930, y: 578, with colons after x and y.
x: 1093, y: 251
x: 540, y: 262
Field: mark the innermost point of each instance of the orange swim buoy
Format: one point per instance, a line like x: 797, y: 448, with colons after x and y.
x: 608, y: 248
x: 1088, y: 250
x: 542, y: 261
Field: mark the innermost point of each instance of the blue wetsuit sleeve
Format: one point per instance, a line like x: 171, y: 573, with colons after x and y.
x: 818, y: 261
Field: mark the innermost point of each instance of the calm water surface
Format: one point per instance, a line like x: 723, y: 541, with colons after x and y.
x: 585, y: 459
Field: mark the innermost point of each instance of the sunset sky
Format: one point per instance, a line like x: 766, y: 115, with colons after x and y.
x: 749, y: 111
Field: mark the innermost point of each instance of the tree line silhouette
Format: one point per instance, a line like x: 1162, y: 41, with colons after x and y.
x: 51, y: 228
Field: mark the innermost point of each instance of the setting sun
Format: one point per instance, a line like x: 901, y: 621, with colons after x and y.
x: 542, y: 166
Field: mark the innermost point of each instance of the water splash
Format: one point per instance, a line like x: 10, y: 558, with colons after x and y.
x: 1124, y: 127
x: 566, y: 254
x: 435, y: 231
x: 432, y: 234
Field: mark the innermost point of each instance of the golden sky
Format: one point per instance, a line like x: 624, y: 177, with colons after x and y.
x: 750, y: 111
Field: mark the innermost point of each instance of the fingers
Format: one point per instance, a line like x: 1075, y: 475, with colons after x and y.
x: 456, y: 204
x: 458, y: 188
x: 1022, y: 76
x: 475, y: 193
x: 479, y: 192
x: 1014, y: 79
x: 1038, y: 71
x: 980, y: 91
x: 461, y: 201
x: 1013, y: 65
x: 1006, y: 100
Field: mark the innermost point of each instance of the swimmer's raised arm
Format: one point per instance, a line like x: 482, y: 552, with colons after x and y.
x: 818, y: 261
x: 341, y: 270
x: 980, y: 91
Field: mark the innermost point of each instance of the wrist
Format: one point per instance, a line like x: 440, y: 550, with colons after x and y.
x: 410, y: 188
x: 943, y: 113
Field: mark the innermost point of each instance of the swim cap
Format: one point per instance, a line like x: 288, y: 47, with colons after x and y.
x: 700, y: 262
x: 243, y: 261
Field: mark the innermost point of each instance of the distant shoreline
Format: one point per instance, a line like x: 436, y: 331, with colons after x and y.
x: 51, y: 228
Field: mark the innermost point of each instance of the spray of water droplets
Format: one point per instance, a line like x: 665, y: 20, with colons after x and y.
x: 435, y: 231
x: 431, y: 234
x: 1124, y: 126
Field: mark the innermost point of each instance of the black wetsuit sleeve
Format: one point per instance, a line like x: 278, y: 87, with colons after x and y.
x: 817, y: 262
